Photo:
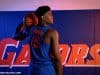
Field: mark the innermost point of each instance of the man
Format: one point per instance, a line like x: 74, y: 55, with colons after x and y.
x: 45, y: 56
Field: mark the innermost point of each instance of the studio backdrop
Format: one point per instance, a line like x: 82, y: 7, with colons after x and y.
x: 78, y: 25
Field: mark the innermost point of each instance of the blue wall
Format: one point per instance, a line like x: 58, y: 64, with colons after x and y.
x: 74, y: 26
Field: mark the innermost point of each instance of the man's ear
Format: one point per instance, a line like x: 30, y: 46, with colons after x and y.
x: 42, y: 17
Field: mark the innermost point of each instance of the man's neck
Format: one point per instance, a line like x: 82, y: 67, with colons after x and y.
x: 44, y: 24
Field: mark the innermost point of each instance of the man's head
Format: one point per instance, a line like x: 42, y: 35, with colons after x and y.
x: 44, y: 15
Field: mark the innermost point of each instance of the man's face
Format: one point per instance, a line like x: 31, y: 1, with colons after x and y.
x: 48, y: 17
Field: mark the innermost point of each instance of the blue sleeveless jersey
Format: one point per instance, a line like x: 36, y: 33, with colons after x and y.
x: 40, y: 63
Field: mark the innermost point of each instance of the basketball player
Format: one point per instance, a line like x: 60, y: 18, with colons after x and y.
x: 45, y: 56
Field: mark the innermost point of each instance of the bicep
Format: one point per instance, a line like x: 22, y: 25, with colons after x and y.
x: 54, y: 45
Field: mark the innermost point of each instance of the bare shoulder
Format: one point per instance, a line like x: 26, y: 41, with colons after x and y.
x: 53, y: 32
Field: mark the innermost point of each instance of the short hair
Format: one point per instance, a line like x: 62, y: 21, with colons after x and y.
x: 40, y: 11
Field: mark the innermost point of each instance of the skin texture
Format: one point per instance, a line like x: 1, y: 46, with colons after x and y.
x: 47, y: 18
x: 52, y: 38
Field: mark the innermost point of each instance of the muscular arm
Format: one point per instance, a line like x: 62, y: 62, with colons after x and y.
x: 56, y: 53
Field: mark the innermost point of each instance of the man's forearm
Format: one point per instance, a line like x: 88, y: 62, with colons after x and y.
x: 58, y: 68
